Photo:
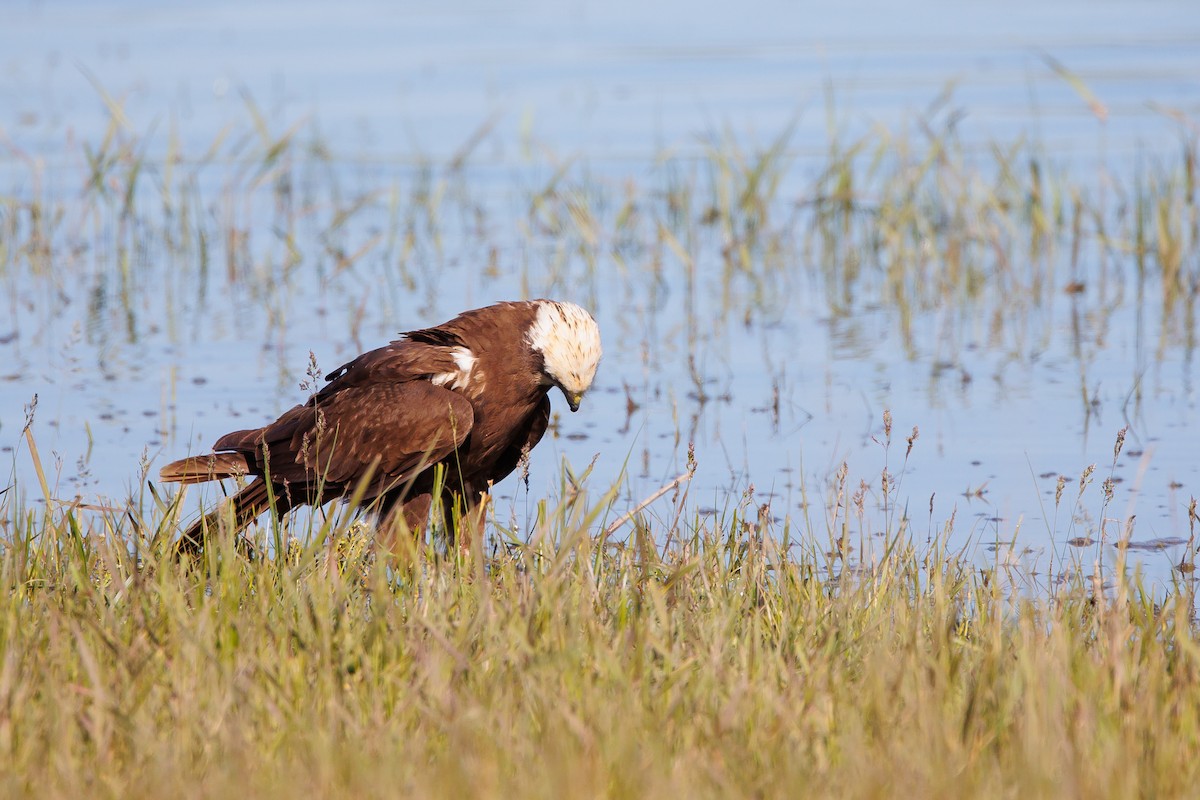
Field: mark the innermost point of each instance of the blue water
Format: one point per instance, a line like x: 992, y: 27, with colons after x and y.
x: 620, y: 92
x: 606, y: 80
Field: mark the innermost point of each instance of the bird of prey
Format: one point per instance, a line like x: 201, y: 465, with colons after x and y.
x: 470, y: 394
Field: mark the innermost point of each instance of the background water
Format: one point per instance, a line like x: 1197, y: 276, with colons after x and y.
x: 142, y: 340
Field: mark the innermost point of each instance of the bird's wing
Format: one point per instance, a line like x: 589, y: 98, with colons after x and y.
x: 397, y: 362
x: 389, y: 430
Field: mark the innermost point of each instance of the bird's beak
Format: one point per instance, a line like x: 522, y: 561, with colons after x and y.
x: 573, y: 400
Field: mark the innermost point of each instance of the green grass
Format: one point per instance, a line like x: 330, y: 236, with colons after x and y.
x: 739, y: 659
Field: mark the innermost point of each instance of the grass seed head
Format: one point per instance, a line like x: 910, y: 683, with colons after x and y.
x: 1086, y: 477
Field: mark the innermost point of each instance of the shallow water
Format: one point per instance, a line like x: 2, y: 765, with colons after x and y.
x: 155, y: 333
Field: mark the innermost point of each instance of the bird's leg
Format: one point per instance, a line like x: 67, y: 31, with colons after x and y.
x: 408, y: 519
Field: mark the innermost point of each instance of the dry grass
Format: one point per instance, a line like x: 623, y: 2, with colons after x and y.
x: 740, y: 660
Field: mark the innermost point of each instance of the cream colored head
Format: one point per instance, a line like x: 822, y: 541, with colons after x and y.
x: 569, y: 342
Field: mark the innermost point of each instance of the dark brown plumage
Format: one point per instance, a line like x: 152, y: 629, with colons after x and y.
x: 470, y: 394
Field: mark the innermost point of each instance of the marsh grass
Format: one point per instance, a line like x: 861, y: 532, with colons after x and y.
x: 912, y: 219
x: 712, y: 656
x: 728, y: 654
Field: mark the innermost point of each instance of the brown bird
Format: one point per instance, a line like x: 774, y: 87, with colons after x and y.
x: 470, y: 394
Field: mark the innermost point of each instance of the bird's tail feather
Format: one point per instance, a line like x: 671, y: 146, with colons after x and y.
x: 247, y: 505
x: 199, y: 469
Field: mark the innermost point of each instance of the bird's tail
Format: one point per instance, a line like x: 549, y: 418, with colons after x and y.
x: 247, y: 505
x: 199, y: 469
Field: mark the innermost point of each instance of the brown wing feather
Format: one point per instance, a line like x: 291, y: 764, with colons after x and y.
x: 390, y: 430
x: 398, y: 362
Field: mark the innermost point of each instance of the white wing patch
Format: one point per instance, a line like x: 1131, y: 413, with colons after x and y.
x: 460, y: 378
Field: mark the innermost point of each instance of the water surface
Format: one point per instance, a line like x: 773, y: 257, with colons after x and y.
x: 443, y: 159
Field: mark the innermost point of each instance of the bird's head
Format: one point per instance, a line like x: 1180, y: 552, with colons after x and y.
x: 568, y: 340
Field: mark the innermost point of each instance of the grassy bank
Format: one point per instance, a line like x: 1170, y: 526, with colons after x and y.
x: 728, y: 662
